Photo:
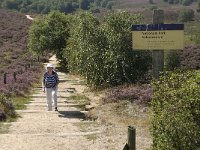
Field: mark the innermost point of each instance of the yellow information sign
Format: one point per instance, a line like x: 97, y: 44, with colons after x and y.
x: 158, y: 37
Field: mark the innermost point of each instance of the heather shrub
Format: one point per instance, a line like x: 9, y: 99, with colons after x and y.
x: 175, y: 111
x: 15, y: 57
x: 6, y: 107
x: 137, y: 94
x: 190, y: 57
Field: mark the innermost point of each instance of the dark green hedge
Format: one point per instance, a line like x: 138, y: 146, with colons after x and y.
x: 175, y: 111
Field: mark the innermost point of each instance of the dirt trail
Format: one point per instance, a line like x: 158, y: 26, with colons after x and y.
x: 29, y: 17
x: 39, y: 129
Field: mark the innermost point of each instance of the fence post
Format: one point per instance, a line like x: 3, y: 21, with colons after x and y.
x: 131, y: 145
x: 5, y: 78
x: 131, y: 138
x: 21, y: 71
x: 26, y: 68
x: 15, y: 76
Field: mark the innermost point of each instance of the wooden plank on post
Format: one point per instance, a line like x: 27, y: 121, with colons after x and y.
x: 158, y: 55
x: 131, y: 138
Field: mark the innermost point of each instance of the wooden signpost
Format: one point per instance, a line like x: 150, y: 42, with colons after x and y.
x: 158, y: 37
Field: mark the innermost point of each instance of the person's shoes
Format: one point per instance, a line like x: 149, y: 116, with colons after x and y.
x: 56, y: 109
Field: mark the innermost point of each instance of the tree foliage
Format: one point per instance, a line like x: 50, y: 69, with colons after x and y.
x: 102, y: 52
x: 186, y: 15
x: 99, y: 51
x: 45, y: 6
x: 50, y: 34
x: 183, y: 2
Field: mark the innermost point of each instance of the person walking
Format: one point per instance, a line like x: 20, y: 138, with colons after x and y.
x: 50, y: 83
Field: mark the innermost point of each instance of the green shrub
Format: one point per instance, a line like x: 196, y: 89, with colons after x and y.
x: 102, y: 52
x: 175, y: 111
x: 172, y: 60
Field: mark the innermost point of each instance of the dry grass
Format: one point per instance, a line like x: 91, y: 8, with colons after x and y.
x: 116, y: 117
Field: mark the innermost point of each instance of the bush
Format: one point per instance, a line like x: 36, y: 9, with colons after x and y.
x: 175, y: 111
x: 190, y: 57
x: 172, y: 60
x: 138, y: 94
x: 102, y: 52
x: 186, y: 2
x: 7, y: 109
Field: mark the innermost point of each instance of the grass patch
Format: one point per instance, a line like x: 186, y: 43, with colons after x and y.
x: 91, y: 137
x: 86, y: 127
x: 20, y: 102
x: 4, y: 128
x: 80, y: 99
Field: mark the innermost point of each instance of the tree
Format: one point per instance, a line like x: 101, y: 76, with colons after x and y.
x: 66, y: 7
x: 186, y: 15
x: 122, y: 64
x: 151, y: 2
x: 198, y: 9
x: 11, y: 4
x: 84, y: 4
x: 109, y: 5
x: 50, y: 34
x: 186, y: 2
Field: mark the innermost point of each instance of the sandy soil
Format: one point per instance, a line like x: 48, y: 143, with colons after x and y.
x: 39, y: 129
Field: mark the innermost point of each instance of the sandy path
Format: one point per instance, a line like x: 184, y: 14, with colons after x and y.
x: 29, y: 17
x: 38, y: 129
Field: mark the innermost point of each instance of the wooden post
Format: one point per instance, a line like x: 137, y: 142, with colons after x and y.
x: 158, y: 55
x: 26, y: 68
x: 131, y: 138
x: 15, y: 76
x: 21, y: 71
x: 5, y: 78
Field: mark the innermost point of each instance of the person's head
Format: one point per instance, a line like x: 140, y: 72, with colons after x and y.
x: 50, y: 67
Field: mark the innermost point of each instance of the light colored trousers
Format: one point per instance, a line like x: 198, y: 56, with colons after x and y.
x: 51, y: 93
